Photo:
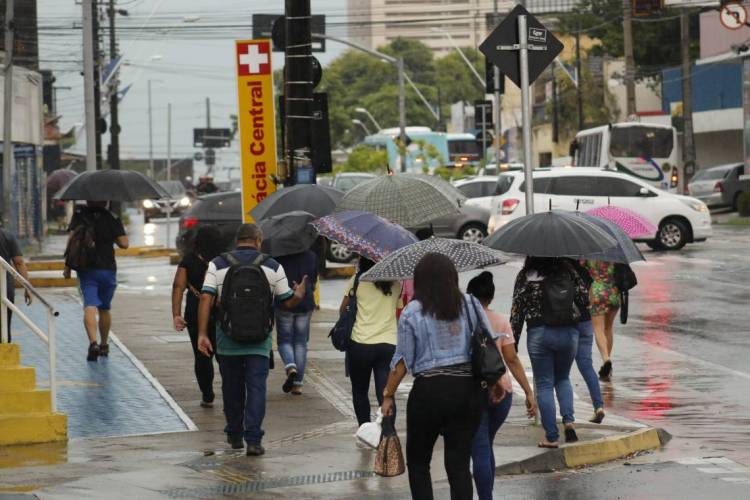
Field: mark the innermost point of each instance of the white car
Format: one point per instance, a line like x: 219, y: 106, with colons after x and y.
x: 479, y: 190
x: 679, y: 219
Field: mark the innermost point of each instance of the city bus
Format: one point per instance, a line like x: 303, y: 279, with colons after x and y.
x: 647, y: 151
x: 448, y: 149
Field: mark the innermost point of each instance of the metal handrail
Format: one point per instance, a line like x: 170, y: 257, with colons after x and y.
x: 49, y: 338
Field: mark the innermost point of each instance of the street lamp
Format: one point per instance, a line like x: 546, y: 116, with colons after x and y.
x: 361, y: 124
x: 461, y: 53
x: 372, y: 118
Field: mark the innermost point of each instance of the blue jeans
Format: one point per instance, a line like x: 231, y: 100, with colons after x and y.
x: 482, y: 454
x: 586, y: 365
x: 552, y: 351
x: 292, y: 335
x: 243, y: 386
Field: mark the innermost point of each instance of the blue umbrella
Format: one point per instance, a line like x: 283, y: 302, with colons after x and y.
x: 364, y: 233
x: 624, y: 252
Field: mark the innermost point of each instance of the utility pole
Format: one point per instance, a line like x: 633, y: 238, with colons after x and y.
x: 97, y: 83
x: 688, y: 143
x: 401, y: 113
x: 89, y: 83
x: 169, y: 172
x: 208, y: 112
x: 150, y: 136
x: 114, y: 124
x: 579, y: 79
x: 8, y: 160
x: 555, y: 120
x: 627, y: 35
x: 498, y: 102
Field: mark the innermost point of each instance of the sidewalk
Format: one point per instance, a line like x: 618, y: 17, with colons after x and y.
x: 308, y: 438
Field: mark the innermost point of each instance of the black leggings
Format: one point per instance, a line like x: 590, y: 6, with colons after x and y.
x: 366, y: 360
x: 450, y: 406
x: 204, y: 365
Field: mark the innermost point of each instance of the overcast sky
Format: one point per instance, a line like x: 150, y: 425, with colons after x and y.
x: 161, y: 42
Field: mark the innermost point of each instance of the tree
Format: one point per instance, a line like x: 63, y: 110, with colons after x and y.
x: 455, y: 81
x: 364, y: 159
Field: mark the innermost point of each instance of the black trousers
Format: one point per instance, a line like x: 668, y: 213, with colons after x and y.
x: 204, y: 365
x: 366, y: 361
x: 449, y: 406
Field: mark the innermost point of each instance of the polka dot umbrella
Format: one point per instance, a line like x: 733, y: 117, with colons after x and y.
x: 633, y: 223
x: 400, y: 264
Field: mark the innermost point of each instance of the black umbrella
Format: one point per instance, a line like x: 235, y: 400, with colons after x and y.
x: 317, y: 200
x: 111, y: 185
x: 551, y: 234
x: 288, y: 233
x: 59, y: 178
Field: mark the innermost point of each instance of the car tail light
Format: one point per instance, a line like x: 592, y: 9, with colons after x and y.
x: 718, y: 187
x: 509, y: 206
x: 188, y: 222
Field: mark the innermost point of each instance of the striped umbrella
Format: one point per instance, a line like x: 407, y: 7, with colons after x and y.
x: 633, y: 223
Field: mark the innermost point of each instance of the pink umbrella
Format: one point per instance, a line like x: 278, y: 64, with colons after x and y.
x: 633, y: 223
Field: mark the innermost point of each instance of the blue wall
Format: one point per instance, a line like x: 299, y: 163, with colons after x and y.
x: 715, y: 86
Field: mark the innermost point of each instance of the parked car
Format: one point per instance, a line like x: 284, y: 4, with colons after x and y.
x: 707, y: 186
x: 678, y: 219
x: 179, y: 201
x: 224, y: 210
x: 344, y: 182
x: 478, y: 190
x: 733, y: 185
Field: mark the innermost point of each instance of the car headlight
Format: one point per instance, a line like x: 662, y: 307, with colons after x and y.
x: 696, y: 205
x: 185, y: 201
x: 148, y: 204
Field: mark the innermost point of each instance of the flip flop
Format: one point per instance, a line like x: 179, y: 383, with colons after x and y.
x: 542, y: 444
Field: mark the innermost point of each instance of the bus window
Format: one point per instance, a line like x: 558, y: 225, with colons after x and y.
x: 463, y: 147
x: 596, y: 149
x: 636, y: 142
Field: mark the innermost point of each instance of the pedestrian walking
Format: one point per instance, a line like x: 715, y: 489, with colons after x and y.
x: 548, y: 296
x: 605, y: 302
x: 496, y: 410
x: 10, y: 251
x: 373, y: 337
x: 245, y: 284
x: 293, y: 325
x: 434, y: 342
x: 94, y: 231
x: 189, y: 278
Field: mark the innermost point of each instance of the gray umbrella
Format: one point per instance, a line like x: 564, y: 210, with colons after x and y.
x: 625, y: 251
x: 551, y: 234
x: 400, y: 264
x: 317, y: 200
x: 112, y: 185
x: 445, y: 187
x: 288, y: 233
x: 406, y: 200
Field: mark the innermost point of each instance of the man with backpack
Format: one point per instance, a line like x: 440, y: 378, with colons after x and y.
x: 90, y: 252
x: 244, y: 285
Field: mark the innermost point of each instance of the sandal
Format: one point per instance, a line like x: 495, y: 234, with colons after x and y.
x: 605, y: 372
x: 598, y: 416
x: 547, y: 444
x: 104, y: 350
x: 570, y: 434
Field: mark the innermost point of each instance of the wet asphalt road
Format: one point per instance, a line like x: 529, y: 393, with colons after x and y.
x: 681, y: 363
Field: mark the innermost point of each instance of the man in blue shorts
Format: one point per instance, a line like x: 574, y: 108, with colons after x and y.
x: 99, y: 278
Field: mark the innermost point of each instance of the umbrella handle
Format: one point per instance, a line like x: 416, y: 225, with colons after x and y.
x: 578, y: 205
x: 550, y: 204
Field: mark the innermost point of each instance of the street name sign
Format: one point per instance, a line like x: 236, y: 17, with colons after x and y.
x: 543, y: 46
x: 257, y: 124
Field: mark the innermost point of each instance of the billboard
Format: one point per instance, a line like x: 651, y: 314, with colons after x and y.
x: 257, y: 124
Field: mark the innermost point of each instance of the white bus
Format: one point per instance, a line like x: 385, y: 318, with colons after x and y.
x: 646, y: 151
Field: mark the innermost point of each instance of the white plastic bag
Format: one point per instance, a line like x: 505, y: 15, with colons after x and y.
x: 369, y: 432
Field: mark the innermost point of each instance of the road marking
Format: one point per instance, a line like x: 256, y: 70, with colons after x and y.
x: 329, y: 389
x: 719, y: 466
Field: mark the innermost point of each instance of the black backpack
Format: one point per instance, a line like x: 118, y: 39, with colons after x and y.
x: 558, y: 294
x: 80, y: 253
x: 246, y: 306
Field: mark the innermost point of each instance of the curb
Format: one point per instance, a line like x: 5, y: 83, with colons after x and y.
x: 588, y: 453
x: 144, y: 252
x: 45, y: 265
x: 51, y: 282
x: 338, y: 272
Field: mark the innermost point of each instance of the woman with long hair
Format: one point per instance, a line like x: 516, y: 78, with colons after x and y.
x: 434, y: 343
x: 605, y: 302
x: 542, y: 300
x: 496, y: 411
x: 189, y: 277
x: 373, y: 337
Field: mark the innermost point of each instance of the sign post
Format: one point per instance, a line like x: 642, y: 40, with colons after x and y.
x: 257, y: 123
x: 521, y: 32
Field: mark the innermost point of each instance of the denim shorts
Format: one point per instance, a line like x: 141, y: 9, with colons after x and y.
x: 98, y: 288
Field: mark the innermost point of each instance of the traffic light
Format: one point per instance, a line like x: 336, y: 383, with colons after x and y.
x: 489, y: 78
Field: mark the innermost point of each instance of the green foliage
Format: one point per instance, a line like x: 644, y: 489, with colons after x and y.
x: 656, y: 44
x: 743, y: 204
x: 454, y: 174
x: 364, y: 159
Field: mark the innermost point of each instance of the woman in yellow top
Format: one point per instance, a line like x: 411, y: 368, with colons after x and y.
x: 373, y: 338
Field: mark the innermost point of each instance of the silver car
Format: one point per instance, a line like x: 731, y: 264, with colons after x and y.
x: 707, y: 184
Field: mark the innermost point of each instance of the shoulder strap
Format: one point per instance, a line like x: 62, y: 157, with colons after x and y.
x: 260, y: 259
x: 231, y: 259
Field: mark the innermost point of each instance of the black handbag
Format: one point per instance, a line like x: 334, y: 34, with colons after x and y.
x: 486, y: 361
x: 341, y: 333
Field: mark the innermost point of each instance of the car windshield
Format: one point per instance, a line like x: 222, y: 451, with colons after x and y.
x: 174, y: 188
x: 712, y: 174
x: 637, y: 142
x: 457, y: 147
